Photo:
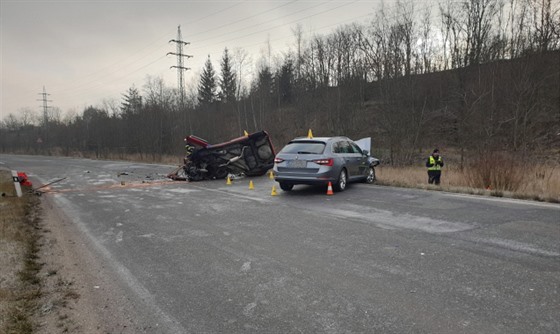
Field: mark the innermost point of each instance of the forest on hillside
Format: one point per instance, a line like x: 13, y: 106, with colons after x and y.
x: 474, y: 76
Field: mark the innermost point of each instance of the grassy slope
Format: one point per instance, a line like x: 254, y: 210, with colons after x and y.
x: 20, y: 286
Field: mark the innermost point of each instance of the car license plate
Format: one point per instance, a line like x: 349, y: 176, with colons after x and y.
x: 297, y: 164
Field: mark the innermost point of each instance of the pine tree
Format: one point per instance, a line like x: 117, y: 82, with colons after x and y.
x: 228, y: 79
x: 132, y: 102
x: 207, y: 86
x: 284, y: 82
x: 264, y: 83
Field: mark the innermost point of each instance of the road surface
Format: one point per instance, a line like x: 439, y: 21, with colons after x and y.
x: 210, y: 257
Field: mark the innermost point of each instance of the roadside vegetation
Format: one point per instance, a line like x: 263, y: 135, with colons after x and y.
x: 498, y: 175
x: 20, y: 287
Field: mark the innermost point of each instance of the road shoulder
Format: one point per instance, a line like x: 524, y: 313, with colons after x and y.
x: 79, y: 294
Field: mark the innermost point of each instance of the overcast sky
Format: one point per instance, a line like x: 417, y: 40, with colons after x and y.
x: 86, y: 51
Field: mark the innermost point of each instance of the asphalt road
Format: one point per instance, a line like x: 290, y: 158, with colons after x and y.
x: 210, y: 257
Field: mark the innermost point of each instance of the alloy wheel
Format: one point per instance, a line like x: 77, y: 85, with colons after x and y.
x: 371, y: 175
x: 342, y: 180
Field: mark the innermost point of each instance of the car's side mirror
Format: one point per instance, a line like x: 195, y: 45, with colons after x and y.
x: 365, y: 152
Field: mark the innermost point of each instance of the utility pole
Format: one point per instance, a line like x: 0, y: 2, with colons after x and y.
x: 45, y: 111
x: 181, y: 68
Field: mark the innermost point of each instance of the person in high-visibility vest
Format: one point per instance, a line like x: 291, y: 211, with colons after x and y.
x: 434, y: 164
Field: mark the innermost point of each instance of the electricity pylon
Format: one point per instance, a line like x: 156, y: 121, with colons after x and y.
x: 181, y: 68
x: 45, y: 111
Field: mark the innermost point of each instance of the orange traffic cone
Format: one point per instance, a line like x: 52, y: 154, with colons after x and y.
x: 329, y: 189
x: 228, y: 182
x: 273, y: 192
x: 251, y: 185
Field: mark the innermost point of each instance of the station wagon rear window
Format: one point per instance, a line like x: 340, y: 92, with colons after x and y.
x: 304, y: 147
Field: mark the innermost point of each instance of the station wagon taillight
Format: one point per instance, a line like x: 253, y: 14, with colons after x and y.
x: 324, y: 162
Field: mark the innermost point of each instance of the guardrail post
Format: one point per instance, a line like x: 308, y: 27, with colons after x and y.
x: 16, y: 183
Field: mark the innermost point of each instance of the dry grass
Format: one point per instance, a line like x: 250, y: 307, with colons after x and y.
x: 541, y: 183
x: 18, y: 264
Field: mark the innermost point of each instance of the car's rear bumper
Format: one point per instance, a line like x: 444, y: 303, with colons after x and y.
x: 293, y: 178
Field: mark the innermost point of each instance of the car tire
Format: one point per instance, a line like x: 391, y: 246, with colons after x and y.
x: 221, y: 173
x: 342, y: 181
x: 370, y: 177
x: 286, y: 186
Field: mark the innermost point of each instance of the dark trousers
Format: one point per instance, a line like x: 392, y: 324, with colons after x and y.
x: 434, y: 176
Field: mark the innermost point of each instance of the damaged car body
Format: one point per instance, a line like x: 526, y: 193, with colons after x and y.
x: 251, y: 155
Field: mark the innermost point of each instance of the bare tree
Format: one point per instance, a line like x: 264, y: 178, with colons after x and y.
x: 518, y: 22
x: 546, y: 24
x: 406, y: 31
x: 477, y: 24
x: 425, y: 57
x: 242, y: 60
x: 297, y: 31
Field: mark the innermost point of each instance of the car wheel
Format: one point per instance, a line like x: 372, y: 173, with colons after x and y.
x: 342, y: 181
x: 221, y: 173
x: 286, y: 186
x: 370, y: 177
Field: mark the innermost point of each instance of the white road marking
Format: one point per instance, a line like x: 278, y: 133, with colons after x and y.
x: 386, y: 219
x: 504, y: 200
x: 514, y: 245
x: 181, y: 190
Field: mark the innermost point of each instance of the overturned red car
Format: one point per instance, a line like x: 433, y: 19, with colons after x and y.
x: 251, y: 155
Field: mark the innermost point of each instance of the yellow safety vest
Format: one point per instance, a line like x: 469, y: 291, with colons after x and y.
x: 433, y: 163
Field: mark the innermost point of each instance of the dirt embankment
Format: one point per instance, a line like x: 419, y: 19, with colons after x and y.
x: 58, y: 284
x: 75, y: 294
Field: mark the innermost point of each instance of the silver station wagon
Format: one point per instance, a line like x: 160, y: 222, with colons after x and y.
x: 320, y: 160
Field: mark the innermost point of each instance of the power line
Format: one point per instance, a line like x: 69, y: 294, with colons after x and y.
x: 246, y: 18
x: 259, y: 24
x: 98, y: 84
x: 285, y: 24
x: 102, y: 84
x: 98, y: 73
x: 388, y: 9
x: 104, y: 76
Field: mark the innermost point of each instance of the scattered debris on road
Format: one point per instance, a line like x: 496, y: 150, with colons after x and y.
x: 42, y: 189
